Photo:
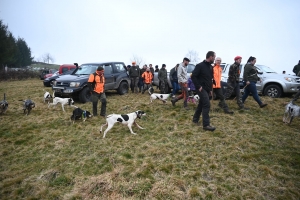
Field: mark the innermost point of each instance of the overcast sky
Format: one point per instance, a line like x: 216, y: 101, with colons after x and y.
x: 158, y: 31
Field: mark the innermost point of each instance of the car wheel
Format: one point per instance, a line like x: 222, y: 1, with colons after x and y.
x: 51, y: 83
x: 85, y: 95
x: 123, y: 88
x: 273, y: 91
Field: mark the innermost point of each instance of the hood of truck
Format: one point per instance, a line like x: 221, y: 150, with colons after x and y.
x: 72, y: 78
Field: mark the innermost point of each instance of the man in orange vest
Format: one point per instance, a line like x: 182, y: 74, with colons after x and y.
x: 96, y: 84
x: 147, y: 76
x: 217, y: 85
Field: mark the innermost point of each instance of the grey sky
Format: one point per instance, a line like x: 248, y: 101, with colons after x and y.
x: 158, y: 31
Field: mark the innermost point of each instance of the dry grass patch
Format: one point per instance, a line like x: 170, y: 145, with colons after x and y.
x: 251, y: 155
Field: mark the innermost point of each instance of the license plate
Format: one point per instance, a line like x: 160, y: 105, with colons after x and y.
x: 68, y: 91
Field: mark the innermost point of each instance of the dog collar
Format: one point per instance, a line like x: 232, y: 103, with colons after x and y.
x: 84, y: 114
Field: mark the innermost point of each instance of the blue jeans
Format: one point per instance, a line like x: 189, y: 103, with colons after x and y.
x: 175, y: 86
x: 251, y: 88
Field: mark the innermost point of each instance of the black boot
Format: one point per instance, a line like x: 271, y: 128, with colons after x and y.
x: 174, y: 101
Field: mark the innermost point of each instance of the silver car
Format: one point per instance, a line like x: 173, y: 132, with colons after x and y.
x: 272, y: 84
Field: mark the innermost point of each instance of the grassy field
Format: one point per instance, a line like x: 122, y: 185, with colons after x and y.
x: 251, y: 155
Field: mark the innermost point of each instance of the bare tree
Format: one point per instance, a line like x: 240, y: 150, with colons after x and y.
x: 138, y: 60
x: 193, y: 56
x: 47, y: 58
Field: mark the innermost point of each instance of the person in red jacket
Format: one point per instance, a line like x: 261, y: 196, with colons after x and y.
x: 217, y: 72
x: 96, y: 84
x: 147, y: 77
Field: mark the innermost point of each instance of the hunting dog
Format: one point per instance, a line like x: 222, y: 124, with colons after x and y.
x: 3, y: 105
x: 162, y: 97
x: 193, y: 99
x: 62, y: 101
x: 128, y: 120
x: 28, y: 105
x: 78, y: 113
x: 47, y: 97
x: 291, y: 110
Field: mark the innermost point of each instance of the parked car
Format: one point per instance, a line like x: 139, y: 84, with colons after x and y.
x: 45, y: 72
x: 66, y: 67
x: 48, y: 82
x: 50, y: 74
x: 273, y: 84
x: 75, y: 84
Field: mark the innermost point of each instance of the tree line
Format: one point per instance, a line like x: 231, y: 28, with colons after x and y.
x: 13, y: 52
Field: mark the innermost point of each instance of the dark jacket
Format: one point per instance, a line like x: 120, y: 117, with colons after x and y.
x: 162, y: 74
x: 202, y: 76
x: 134, y: 71
x: 234, y: 73
x: 152, y: 71
x: 296, y: 69
x: 173, y: 75
x: 250, y: 73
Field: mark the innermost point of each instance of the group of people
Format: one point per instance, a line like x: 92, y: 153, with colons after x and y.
x: 204, y: 80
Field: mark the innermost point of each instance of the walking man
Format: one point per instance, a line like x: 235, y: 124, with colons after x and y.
x: 163, y: 80
x: 233, y: 82
x: 217, y: 70
x: 134, y: 74
x: 96, y: 84
x: 183, y: 82
x: 174, y: 80
x: 202, y: 79
x: 296, y: 69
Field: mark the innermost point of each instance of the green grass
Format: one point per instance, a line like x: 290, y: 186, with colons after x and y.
x: 251, y: 155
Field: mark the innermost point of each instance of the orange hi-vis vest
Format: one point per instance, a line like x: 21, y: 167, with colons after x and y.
x: 98, y: 82
x: 217, y: 76
x: 147, y: 76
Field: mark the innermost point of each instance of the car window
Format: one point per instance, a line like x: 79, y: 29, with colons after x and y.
x: 190, y: 68
x: 120, y: 68
x: 86, y: 69
x: 64, y: 69
x: 108, y: 69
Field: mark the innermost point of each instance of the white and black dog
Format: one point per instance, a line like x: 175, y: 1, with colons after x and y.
x: 128, y: 120
x: 3, y: 105
x: 193, y: 99
x: 62, y: 101
x: 291, y: 110
x: 78, y: 113
x: 47, y: 97
x: 162, y: 97
x: 28, y: 105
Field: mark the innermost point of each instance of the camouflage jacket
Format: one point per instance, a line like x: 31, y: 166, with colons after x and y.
x: 234, y: 73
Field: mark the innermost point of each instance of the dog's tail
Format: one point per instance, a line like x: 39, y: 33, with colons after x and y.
x: 53, y: 95
x: 4, y: 98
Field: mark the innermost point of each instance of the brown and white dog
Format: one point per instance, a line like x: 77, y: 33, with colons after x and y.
x: 128, y: 119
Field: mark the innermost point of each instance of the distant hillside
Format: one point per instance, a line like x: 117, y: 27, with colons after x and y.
x: 44, y: 65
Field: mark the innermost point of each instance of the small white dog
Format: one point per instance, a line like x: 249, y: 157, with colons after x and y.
x: 128, y: 120
x: 47, y: 97
x: 162, y: 97
x: 62, y: 101
x: 193, y: 99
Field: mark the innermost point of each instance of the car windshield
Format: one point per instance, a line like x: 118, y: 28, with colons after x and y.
x: 190, y: 68
x: 86, y: 69
x: 266, y: 69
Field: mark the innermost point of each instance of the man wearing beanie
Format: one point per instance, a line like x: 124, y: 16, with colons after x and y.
x: 163, y: 78
x: 233, y: 82
x: 296, y: 69
x: 96, y: 84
